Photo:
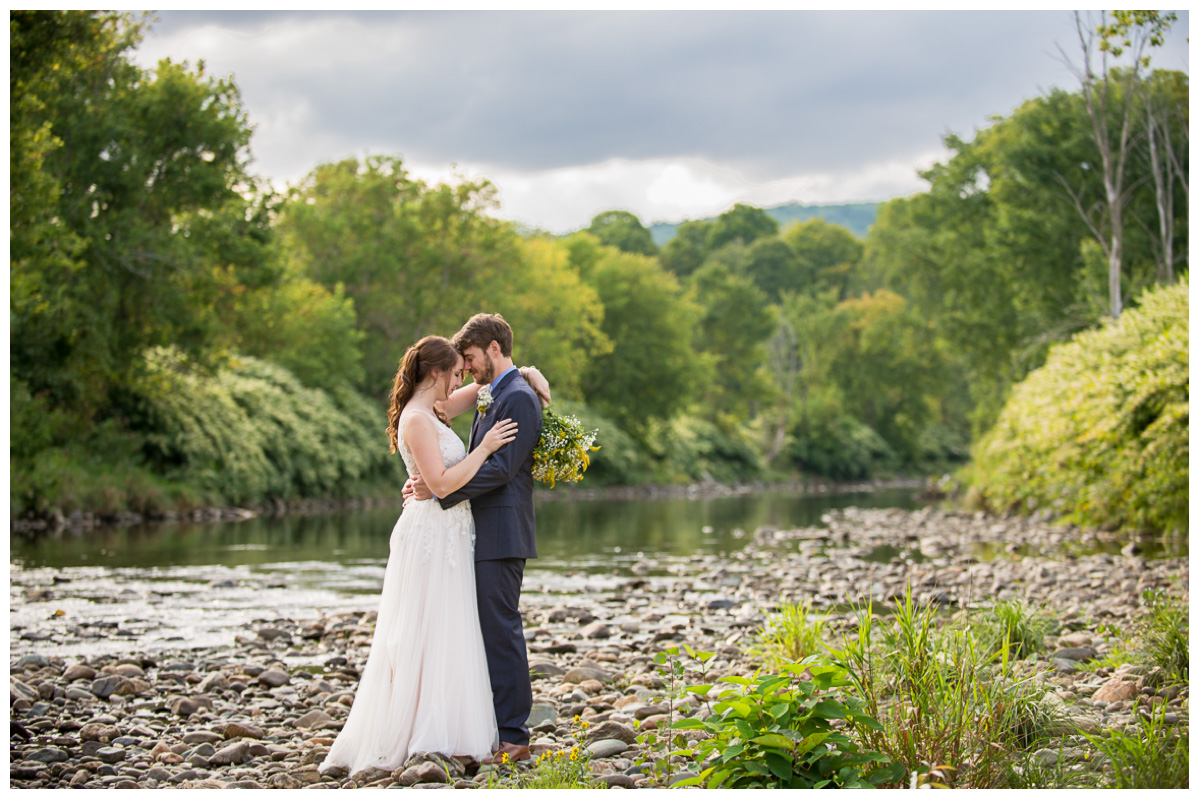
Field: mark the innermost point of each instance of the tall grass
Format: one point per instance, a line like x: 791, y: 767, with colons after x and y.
x: 1164, y: 631
x: 1152, y: 756
x: 792, y: 634
x: 947, y: 704
x: 1012, y: 625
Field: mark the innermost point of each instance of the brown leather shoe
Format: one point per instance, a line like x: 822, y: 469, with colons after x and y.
x: 515, y: 752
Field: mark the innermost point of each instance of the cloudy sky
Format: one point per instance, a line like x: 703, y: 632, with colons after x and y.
x: 671, y: 115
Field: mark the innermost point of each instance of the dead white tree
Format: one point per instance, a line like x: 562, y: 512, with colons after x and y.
x: 1110, y: 93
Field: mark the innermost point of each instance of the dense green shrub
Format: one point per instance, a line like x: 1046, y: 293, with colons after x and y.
x: 253, y: 431
x: 693, y: 449
x: 1099, y: 434
x: 59, y: 462
x: 835, y: 445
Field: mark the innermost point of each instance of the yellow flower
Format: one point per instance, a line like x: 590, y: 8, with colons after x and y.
x: 504, y: 758
x: 585, y: 724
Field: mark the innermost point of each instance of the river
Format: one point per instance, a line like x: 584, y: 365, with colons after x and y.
x: 172, y: 585
x: 199, y: 585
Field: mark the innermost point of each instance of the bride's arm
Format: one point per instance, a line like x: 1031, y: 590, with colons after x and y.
x: 421, y: 436
x: 460, y: 401
x: 537, y: 381
x: 463, y: 399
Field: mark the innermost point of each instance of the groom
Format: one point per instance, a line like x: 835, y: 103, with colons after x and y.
x: 501, y: 495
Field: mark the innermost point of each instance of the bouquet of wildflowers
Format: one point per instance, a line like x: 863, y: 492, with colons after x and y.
x: 562, y: 452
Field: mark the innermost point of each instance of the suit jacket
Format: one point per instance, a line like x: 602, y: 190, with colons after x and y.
x: 501, y: 493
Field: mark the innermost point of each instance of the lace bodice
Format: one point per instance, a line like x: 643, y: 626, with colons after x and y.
x: 453, y: 450
x: 454, y: 528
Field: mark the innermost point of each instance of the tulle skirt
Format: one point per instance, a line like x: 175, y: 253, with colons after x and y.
x: 425, y: 687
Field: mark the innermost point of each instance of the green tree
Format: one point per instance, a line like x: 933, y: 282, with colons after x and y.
x: 733, y: 330
x: 653, y: 370
x: 773, y: 266
x: 871, y: 378
x: 995, y: 252
x: 889, y: 368
x: 624, y: 231
x: 741, y: 223
x: 415, y: 259
x: 826, y: 255
x: 687, y: 249
x: 110, y: 158
x: 557, y: 318
x: 1109, y: 97
x: 300, y: 325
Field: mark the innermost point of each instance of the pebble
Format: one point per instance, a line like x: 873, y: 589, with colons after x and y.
x: 607, y: 748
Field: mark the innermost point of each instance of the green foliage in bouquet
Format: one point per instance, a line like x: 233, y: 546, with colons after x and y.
x: 1099, y: 435
x: 562, y: 452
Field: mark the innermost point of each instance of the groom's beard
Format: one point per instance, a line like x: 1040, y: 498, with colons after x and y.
x: 487, y: 372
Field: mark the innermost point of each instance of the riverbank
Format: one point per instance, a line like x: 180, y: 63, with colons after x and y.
x: 261, y: 711
x: 82, y: 521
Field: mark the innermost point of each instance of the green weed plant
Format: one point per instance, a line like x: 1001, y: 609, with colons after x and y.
x: 1013, y: 625
x: 560, y: 769
x: 778, y: 731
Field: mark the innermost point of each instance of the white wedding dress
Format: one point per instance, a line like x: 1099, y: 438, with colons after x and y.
x: 425, y: 687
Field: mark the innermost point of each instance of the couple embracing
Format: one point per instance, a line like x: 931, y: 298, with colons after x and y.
x: 447, y: 670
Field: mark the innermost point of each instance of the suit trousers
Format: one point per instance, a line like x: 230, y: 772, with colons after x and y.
x: 498, y: 591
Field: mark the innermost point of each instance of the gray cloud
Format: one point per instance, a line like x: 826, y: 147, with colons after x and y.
x: 771, y: 94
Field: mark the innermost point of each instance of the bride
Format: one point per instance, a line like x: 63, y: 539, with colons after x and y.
x: 425, y: 687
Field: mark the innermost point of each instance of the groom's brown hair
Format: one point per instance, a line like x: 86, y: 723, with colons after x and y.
x: 483, y: 329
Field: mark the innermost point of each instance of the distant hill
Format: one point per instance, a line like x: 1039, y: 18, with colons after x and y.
x: 855, y: 217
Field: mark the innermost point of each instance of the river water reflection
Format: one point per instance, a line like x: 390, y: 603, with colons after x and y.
x: 572, y: 533
x: 182, y: 586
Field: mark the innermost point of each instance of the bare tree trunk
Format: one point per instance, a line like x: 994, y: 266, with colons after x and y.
x: 1160, y: 170
x: 1096, y: 96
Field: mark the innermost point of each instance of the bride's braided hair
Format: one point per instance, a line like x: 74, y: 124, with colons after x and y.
x: 430, y: 353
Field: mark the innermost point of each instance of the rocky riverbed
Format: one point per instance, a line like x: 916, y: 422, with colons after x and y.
x: 262, y: 710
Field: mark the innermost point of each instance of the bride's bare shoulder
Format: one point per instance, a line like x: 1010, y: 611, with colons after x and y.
x: 417, y: 422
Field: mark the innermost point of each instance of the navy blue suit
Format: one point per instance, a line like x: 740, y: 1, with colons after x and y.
x: 501, y: 495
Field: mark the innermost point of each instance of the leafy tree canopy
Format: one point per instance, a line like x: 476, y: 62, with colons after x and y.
x: 624, y: 231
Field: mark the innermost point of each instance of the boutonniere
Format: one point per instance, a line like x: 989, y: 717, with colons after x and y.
x: 484, y: 399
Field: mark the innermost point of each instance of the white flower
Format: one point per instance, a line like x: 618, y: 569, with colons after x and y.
x: 484, y: 398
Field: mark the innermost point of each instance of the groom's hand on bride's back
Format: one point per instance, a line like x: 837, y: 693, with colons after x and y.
x: 415, y: 487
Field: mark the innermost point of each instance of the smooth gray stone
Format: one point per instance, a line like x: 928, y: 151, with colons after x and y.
x: 606, y: 748
x: 1076, y: 654
x: 541, y: 714
x: 47, y: 755
x: 111, y: 755
x: 545, y: 669
x: 681, y: 776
